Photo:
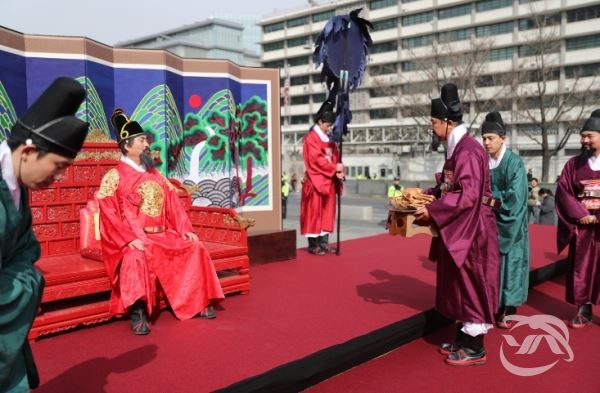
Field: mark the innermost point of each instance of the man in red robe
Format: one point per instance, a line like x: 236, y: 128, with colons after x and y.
x: 148, y: 240
x: 321, y: 182
x: 578, y: 208
x: 466, y: 251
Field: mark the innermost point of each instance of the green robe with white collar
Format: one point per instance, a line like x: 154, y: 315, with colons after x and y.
x: 509, y: 185
x: 21, y: 286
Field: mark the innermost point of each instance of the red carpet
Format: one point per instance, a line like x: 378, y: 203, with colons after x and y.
x: 417, y: 367
x: 294, y: 309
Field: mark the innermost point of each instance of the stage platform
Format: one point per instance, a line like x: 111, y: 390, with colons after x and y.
x: 304, y: 321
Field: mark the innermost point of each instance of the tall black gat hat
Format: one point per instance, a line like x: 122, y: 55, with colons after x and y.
x: 124, y: 127
x: 593, y: 123
x: 448, y: 106
x: 49, y: 123
x: 325, y: 112
x: 493, y: 124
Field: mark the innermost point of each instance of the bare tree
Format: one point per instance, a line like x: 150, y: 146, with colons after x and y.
x: 464, y: 63
x: 545, y: 97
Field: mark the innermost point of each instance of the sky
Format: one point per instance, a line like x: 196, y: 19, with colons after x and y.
x: 112, y: 21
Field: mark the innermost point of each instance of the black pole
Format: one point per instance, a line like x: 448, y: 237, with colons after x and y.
x: 339, y: 206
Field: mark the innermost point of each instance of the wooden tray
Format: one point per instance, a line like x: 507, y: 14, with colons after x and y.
x: 402, y: 222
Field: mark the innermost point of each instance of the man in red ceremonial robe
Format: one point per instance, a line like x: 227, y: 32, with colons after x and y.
x: 322, y: 181
x: 578, y: 208
x: 466, y: 251
x: 147, y: 238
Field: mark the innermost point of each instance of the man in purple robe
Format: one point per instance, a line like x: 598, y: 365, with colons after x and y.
x: 578, y: 208
x: 466, y: 251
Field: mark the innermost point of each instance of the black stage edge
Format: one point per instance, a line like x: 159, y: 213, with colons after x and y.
x: 303, y: 373
x: 312, y: 369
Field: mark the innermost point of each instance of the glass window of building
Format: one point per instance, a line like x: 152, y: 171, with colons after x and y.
x: 319, y: 98
x: 415, y: 42
x: 274, y: 27
x: 455, y: 35
x: 383, y: 69
x: 388, y: 46
x: 316, y: 78
x: 298, y: 22
x: 300, y: 119
x: 298, y: 41
x: 409, y: 66
x: 415, y: 19
x: 383, y: 113
x: 296, y: 61
x: 540, y: 21
x: 385, y: 24
x: 382, y: 92
x: 495, y: 29
x: 377, y: 4
x: 298, y: 100
x: 583, y: 14
x: 583, y: 70
x: 299, y: 80
x: 536, y: 49
x: 271, y: 46
x: 488, y: 5
x: 451, y: 12
x: 274, y: 64
x: 323, y: 16
x: 500, y: 54
x: 585, y: 42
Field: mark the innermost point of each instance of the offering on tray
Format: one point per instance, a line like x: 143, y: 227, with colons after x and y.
x: 411, y: 199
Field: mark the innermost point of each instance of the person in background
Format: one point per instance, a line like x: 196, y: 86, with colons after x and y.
x: 529, y: 175
x: 578, y: 210
x: 322, y: 182
x: 42, y: 144
x: 395, y: 190
x: 548, y: 208
x: 294, y: 182
x: 285, y: 192
x: 533, y: 201
x: 509, y: 186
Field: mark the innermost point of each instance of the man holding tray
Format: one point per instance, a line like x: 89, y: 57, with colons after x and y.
x: 466, y: 249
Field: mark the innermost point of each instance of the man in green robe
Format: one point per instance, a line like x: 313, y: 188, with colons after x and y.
x: 41, y: 146
x: 509, y: 186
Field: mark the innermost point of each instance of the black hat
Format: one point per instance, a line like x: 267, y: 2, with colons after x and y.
x: 124, y: 127
x: 593, y: 123
x: 448, y: 106
x: 493, y: 124
x: 49, y: 123
x: 325, y: 112
x: 438, y: 109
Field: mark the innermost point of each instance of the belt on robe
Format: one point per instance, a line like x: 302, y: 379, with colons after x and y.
x: 487, y: 201
x: 589, y: 194
x: 156, y: 229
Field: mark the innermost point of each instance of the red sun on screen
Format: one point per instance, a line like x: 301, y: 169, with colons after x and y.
x: 195, y: 101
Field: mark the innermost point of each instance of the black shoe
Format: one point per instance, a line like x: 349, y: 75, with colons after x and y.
x: 313, y: 246
x: 208, y: 313
x: 324, y: 244
x: 138, y: 319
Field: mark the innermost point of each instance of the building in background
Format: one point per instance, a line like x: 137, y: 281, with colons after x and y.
x: 535, y: 61
x: 213, y: 38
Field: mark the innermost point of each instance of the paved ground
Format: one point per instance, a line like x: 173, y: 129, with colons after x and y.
x: 350, y: 229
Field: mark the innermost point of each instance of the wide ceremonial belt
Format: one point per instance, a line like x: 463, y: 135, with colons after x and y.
x: 589, y: 194
x: 496, y: 204
x: 156, y: 229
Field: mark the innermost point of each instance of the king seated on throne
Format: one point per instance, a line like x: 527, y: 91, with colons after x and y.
x: 147, y: 239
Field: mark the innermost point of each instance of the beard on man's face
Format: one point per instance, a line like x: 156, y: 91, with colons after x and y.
x: 146, y: 159
x: 586, y: 151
